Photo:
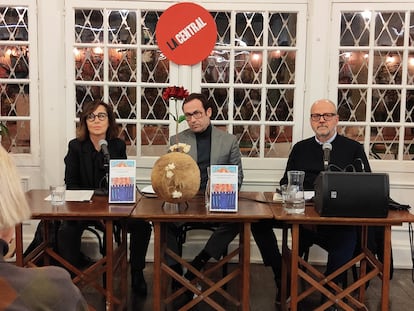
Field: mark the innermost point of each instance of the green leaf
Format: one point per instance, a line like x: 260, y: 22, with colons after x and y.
x: 181, y: 118
x: 3, y: 129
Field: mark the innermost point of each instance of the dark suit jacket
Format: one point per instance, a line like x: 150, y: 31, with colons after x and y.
x: 84, y: 166
x: 224, y: 148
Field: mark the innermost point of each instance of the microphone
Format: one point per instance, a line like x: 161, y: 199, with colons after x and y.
x: 327, y: 147
x: 104, y: 148
x: 362, y: 164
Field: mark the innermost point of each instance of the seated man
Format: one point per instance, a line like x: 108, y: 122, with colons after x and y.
x: 339, y: 241
x: 209, y: 146
x: 307, y: 155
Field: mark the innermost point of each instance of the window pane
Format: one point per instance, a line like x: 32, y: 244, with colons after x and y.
x: 279, y: 105
x: 14, y: 64
x: 281, y: 67
x: 154, y: 140
x: 122, y: 65
x: 353, y: 67
x: 153, y: 106
x: 384, y: 143
x: 249, y: 29
x: 282, y: 29
x: 387, y: 67
x: 278, y: 141
x: 354, y: 29
x: 89, y: 26
x: 352, y: 104
x: 385, y: 105
x: 378, y: 98
x: 123, y: 100
x: 389, y: 29
x: 122, y: 27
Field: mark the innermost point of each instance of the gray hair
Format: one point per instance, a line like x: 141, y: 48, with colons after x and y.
x: 13, y: 205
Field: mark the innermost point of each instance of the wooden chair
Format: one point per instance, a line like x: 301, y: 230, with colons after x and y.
x: 189, y: 226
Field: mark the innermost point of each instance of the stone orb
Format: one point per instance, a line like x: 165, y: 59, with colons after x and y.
x: 175, y: 177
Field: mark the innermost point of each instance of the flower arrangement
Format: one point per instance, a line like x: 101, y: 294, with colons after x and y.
x: 177, y: 93
x: 3, y: 129
x: 175, y: 176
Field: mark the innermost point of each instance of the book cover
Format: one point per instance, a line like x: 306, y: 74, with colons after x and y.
x: 223, y: 188
x: 122, y: 176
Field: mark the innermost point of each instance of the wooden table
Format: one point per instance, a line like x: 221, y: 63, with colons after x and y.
x: 300, y: 269
x: 250, y: 210
x: 114, y: 259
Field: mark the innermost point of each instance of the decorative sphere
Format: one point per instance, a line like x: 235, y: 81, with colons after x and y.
x: 175, y: 177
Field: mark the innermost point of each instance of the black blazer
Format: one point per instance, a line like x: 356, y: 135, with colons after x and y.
x: 84, y: 166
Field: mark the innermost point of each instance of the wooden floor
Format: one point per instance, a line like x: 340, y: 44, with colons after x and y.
x: 263, y: 293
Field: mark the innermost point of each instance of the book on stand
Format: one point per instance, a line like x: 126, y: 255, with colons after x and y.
x: 223, y: 188
x: 122, y: 176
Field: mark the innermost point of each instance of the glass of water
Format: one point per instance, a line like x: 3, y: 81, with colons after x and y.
x: 57, y: 194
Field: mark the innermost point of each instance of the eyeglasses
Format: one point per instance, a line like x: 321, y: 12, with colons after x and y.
x: 326, y: 116
x: 101, y: 116
x: 196, y: 114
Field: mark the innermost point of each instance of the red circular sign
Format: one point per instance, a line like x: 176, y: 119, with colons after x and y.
x: 186, y: 33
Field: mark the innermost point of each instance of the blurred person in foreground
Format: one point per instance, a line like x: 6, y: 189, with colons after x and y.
x: 44, y: 288
x: 85, y: 170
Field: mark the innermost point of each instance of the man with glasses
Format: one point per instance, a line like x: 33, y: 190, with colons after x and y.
x: 307, y: 155
x: 209, y: 146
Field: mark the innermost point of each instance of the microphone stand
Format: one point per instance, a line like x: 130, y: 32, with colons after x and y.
x: 106, y: 166
x: 104, y: 191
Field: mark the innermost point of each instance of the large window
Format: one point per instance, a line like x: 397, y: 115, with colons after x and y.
x: 375, y: 80
x: 252, y: 76
x: 251, y: 79
x: 15, y: 78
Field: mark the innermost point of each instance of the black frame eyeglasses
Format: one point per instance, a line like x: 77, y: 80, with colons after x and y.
x: 101, y: 116
x: 326, y: 116
x: 196, y: 114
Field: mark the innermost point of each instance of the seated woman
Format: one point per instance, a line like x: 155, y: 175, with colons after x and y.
x: 85, y: 169
x: 46, y: 288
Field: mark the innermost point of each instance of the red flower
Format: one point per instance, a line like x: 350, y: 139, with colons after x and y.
x: 175, y: 92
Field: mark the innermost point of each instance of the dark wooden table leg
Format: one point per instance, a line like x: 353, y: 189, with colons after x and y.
x: 109, y: 265
x: 386, y: 269
x: 245, y: 262
x: 157, y: 267
x: 285, y: 267
x: 19, y: 245
x: 294, y: 268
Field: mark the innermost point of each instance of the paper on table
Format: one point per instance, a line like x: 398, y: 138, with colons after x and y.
x: 148, y: 189
x: 76, y: 195
x: 308, y: 195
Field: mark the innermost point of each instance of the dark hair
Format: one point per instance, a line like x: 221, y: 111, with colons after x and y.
x: 200, y: 97
x: 88, y: 108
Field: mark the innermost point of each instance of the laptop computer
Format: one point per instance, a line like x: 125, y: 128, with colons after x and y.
x: 352, y: 194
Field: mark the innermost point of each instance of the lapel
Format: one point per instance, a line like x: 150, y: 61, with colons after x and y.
x: 189, y: 138
x: 215, y: 145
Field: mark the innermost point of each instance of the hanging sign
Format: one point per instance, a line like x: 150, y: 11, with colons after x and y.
x: 186, y: 33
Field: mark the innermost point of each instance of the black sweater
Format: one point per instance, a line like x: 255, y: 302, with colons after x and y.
x: 307, y: 155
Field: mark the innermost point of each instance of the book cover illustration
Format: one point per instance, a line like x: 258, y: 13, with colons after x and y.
x: 224, y: 188
x: 122, y: 181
